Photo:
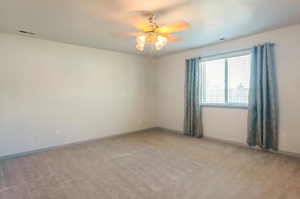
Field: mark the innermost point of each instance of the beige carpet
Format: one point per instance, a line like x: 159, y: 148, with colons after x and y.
x: 151, y: 165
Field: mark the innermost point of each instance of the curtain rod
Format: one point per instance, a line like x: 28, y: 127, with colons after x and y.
x: 229, y: 52
x: 224, y: 53
x: 220, y: 54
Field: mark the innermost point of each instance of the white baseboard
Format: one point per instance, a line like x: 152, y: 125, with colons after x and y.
x: 26, y: 153
x: 169, y: 130
x: 16, y: 155
x: 287, y: 153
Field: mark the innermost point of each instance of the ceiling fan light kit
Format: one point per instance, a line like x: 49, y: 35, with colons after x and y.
x: 150, y: 33
x: 140, y: 42
x: 161, y: 42
x: 155, y: 39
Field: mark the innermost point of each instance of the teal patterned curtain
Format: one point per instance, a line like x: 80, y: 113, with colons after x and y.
x: 192, y: 119
x: 262, y: 112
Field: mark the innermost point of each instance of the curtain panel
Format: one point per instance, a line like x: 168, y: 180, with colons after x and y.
x: 262, y: 109
x: 192, y: 118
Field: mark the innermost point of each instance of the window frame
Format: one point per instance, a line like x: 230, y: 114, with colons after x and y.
x: 224, y: 56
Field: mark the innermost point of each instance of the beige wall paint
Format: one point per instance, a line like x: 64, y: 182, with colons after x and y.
x: 53, y: 93
x: 231, y: 124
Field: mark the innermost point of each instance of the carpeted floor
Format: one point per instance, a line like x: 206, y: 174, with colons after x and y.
x: 151, y: 165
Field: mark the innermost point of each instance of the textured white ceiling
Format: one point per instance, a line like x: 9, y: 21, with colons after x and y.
x: 92, y: 22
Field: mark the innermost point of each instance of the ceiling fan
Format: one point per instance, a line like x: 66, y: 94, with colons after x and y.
x: 150, y: 32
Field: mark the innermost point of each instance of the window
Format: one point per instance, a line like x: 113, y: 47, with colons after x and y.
x: 225, y: 80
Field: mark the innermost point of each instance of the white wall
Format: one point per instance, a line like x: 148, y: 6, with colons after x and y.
x: 231, y: 124
x: 53, y: 93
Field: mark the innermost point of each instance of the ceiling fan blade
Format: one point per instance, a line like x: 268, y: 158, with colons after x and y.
x: 137, y: 18
x: 171, y: 38
x: 139, y: 22
x: 176, y: 27
x: 130, y: 34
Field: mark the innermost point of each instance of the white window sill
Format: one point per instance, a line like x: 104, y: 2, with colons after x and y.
x: 239, y: 106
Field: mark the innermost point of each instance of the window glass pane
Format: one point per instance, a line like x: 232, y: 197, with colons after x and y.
x: 238, y: 79
x: 214, y: 81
